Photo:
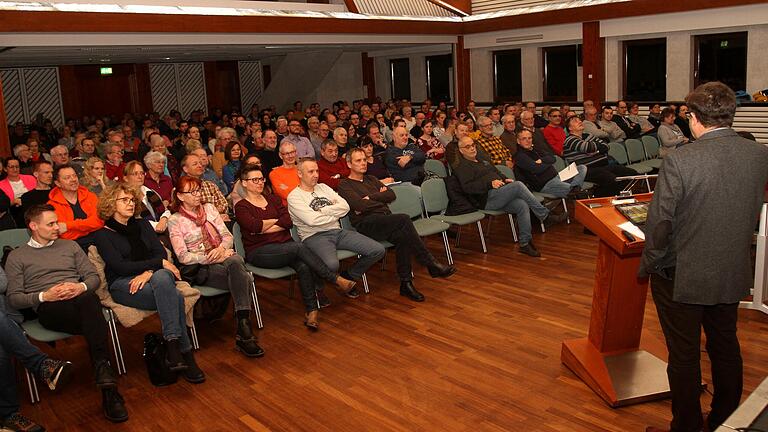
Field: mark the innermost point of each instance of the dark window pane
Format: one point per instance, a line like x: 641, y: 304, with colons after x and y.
x: 645, y: 70
x: 722, y: 57
x: 439, y: 77
x: 507, y: 76
x: 560, y: 73
x: 400, y: 78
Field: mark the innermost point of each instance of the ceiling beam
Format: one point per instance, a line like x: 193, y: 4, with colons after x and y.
x: 458, y: 7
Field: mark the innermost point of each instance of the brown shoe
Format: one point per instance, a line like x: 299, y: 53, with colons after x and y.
x: 344, y: 285
x: 310, y: 320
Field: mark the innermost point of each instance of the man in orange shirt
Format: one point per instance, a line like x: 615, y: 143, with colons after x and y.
x: 285, y: 178
x: 75, y: 207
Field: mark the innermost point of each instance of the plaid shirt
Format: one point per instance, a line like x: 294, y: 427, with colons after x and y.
x: 212, y: 195
x: 495, y: 149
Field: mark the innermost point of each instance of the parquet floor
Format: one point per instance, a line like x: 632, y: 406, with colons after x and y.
x: 481, y: 354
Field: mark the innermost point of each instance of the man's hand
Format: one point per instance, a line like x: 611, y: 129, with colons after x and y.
x: 403, y: 160
x: 497, y: 184
x: 538, y: 161
x: 383, y: 189
x: 63, y: 291
x: 365, y: 197
x: 388, y: 180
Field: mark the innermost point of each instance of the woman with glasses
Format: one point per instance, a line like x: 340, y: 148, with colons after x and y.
x: 237, y: 188
x: 94, y: 178
x: 152, y: 209
x: 233, y: 153
x: 203, y: 244
x: 139, y: 275
x: 265, y: 225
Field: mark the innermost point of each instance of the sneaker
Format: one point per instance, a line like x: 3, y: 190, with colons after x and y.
x: 55, y: 373
x: 114, y: 406
x: 529, y: 250
x: 322, y: 299
x: 105, y: 375
x: 17, y: 422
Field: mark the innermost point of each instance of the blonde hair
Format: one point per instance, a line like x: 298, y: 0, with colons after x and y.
x: 108, y: 200
x: 86, y: 179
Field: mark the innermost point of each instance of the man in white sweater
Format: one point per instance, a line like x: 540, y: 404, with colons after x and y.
x: 315, y: 210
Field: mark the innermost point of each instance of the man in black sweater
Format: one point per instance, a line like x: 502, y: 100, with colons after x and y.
x: 368, y: 199
x: 39, y: 195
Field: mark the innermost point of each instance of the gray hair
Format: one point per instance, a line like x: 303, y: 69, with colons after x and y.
x: 17, y: 149
x: 154, y: 156
x: 483, y: 119
x: 338, y: 131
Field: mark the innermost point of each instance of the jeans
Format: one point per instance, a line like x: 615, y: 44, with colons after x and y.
x: 398, y: 229
x: 14, y: 343
x: 681, y: 324
x: 560, y: 188
x: 325, y: 244
x: 81, y: 315
x: 515, y: 198
x: 159, y: 294
x: 308, y: 266
x: 231, y: 275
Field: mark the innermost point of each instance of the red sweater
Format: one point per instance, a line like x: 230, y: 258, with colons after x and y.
x: 329, y: 170
x: 555, y: 136
x: 251, y: 218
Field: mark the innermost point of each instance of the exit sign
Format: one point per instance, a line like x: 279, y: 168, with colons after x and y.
x: 106, y: 71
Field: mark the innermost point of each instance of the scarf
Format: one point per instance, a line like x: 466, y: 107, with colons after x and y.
x: 156, y: 207
x: 132, y: 232
x: 211, y: 236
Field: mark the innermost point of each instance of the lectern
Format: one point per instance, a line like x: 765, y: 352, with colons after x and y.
x: 609, y: 360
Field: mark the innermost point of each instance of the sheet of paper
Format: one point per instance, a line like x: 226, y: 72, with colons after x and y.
x: 569, y: 172
x: 633, y: 229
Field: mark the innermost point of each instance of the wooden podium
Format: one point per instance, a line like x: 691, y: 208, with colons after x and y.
x: 610, y: 360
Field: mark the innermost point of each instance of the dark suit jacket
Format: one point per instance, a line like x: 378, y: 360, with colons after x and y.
x: 703, y: 215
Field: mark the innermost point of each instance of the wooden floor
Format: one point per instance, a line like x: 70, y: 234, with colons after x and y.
x: 481, y: 354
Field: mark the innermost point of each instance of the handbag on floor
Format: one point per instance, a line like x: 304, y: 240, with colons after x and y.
x: 154, y: 357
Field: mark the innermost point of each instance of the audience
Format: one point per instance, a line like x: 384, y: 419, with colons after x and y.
x: 538, y: 167
x: 233, y: 153
x: 429, y: 144
x: 403, y: 159
x: 615, y: 133
x: 554, y: 132
x: 154, y: 177
x: 284, y: 178
x: 15, y: 185
x: 94, y: 176
x: 669, y: 133
x: 39, y: 195
x: 332, y: 167
x: 75, y: 207
x: 192, y: 165
x: 491, y: 145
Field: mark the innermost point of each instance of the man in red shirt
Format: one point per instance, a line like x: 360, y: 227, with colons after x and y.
x: 115, y: 165
x: 332, y: 168
x: 554, y: 132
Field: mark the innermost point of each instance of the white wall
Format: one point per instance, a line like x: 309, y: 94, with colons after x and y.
x: 417, y: 63
x: 343, y: 82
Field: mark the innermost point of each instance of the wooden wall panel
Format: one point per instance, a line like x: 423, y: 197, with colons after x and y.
x: 593, y: 62
x: 369, y: 77
x: 84, y: 91
x: 5, y: 142
x: 463, y: 75
x: 222, y: 84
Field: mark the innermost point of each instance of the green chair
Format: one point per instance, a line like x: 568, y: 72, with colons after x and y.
x: 636, y: 156
x: 408, y: 201
x: 435, y: 200
x: 510, y: 174
x: 651, y: 146
x: 435, y: 166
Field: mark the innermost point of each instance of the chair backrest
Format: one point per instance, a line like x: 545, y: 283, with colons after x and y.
x: 436, y: 167
x: 239, y: 248
x: 13, y: 237
x: 618, y: 152
x: 651, y: 145
x: 560, y: 163
x: 635, y: 152
x: 295, y: 234
x: 434, y: 195
x: 507, y: 171
x: 407, y: 200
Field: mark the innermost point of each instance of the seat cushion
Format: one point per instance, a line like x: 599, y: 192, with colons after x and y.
x: 36, y: 331
x: 462, y: 219
x: 207, y: 291
x: 267, y: 273
x: 428, y: 227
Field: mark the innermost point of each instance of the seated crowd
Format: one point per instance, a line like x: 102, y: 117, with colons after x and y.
x: 158, y: 203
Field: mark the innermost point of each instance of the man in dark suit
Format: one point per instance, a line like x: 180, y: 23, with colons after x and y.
x: 697, y: 252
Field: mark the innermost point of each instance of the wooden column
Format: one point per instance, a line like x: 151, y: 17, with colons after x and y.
x: 369, y: 77
x: 462, y: 74
x: 593, y: 61
x: 5, y: 140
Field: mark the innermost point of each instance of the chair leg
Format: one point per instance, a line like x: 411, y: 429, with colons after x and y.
x: 458, y: 234
x: 512, y: 226
x: 255, y: 299
x: 648, y: 184
x: 447, y: 248
x: 384, y: 260
x: 482, y: 237
x: 565, y: 209
x: 365, y: 284
x: 193, y: 336
x: 543, y: 228
x: 112, y: 324
x: 34, y: 396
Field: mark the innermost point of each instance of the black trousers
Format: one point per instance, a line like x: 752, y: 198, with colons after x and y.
x: 397, y: 229
x: 81, y: 315
x: 682, y: 323
x: 605, y: 178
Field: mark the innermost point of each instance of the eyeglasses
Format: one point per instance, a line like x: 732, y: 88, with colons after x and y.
x: 468, y: 146
x: 289, y: 153
x: 139, y: 173
x: 486, y: 125
x: 255, y: 180
x: 555, y: 115
x: 195, y: 192
x: 127, y: 200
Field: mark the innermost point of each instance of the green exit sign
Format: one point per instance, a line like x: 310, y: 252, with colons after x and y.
x: 724, y: 44
x: 106, y: 71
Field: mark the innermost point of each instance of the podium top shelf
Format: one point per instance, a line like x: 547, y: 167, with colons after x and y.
x: 603, y: 221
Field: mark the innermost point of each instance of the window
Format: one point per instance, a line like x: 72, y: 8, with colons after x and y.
x: 507, y: 76
x: 560, y: 64
x: 721, y: 57
x: 400, y: 78
x: 439, y: 77
x: 645, y: 70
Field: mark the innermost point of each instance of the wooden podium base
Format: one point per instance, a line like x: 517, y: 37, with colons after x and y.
x: 620, y: 379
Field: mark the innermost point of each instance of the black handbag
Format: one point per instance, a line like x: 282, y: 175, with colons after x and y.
x: 154, y: 357
x: 194, y: 274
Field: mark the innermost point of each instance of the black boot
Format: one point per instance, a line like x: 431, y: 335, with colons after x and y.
x: 245, y: 341
x: 437, y: 270
x: 105, y: 375
x: 193, y: 373
x: 114, y: 406
x: 407, y: 289
x: 173, y: 356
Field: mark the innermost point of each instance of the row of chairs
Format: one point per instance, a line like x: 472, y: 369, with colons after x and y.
x: 642, y: 155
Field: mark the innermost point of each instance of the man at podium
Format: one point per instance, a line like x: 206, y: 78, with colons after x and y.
x: 697, y: 253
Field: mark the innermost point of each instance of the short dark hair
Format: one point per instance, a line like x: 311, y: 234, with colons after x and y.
x: 247, y: 169
x: 34, y: 212
x: 713, y: 103
x: 58, y: 169
x: 40, y: 163
x: 570, y: 120
x: 666, y: 112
